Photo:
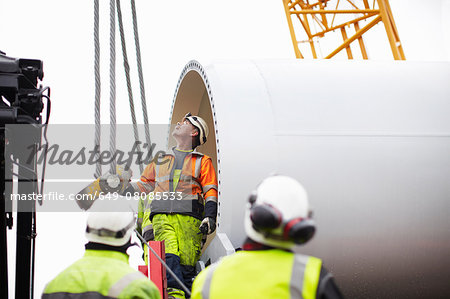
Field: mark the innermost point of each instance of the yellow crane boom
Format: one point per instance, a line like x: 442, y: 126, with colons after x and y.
x: 323, y: 17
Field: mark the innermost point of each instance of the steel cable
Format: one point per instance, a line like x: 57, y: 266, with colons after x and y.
x: 112, y: 87
x: 98, y: 167
x: 127, y: 75
x: 140, y: 73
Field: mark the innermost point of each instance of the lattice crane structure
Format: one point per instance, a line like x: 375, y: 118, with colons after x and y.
x: 323, y: 17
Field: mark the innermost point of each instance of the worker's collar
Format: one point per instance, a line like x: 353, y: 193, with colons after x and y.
x: 193, y: 151
x: 107, y: 254
x: 250, y: 245
x: 99, y: 246
x: 183, y: 151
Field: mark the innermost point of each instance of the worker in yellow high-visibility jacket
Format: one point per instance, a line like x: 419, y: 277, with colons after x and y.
x: 277, y: 219
x: 182, y: 186
x: 103, y: 271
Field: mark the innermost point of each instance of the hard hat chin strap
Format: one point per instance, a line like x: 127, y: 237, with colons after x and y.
x: 102, y: 246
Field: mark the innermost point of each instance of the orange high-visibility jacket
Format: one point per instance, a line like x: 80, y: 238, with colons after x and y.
x: 196, y: 186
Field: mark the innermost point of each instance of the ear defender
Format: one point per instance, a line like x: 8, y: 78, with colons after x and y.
x: 300, y: 230
x: 266, y: 218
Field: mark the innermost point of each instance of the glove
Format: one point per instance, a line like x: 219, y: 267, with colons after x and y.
x: 149, y: 236
x: 208, y: 226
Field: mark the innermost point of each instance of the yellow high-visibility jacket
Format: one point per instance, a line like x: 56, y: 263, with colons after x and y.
x: 101, y: 274
x: 270, y: 273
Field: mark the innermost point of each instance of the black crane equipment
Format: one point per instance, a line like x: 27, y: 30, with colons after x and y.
x: 21, y: 105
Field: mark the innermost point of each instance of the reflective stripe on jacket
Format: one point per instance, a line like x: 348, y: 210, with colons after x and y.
x: 196, y: 186
x: 260, y: 274
x: 101, y: 274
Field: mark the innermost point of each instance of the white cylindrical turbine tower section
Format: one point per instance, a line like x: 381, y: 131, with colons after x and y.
x: 370, y: 141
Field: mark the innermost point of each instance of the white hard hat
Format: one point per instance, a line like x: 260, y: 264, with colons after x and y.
x: 278, y: 213
x: 111, y: 228
x: 200, y: 124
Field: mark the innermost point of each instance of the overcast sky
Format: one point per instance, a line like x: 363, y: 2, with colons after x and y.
x: 171, y: 33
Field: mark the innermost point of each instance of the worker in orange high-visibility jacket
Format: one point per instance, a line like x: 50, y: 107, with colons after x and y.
x: 277, y: 220
x: 182, y: 204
